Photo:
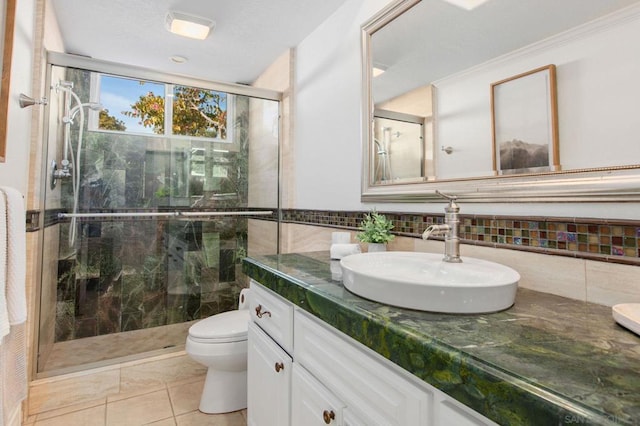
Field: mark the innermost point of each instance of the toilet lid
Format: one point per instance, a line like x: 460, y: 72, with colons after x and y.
x: 227, y: 326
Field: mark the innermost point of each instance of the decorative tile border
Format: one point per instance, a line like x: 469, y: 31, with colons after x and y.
x: 32, y: 220
x: 599, y: 239
x: 581, y: 235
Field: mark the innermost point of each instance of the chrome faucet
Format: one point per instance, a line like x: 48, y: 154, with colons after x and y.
x: 449, y: 230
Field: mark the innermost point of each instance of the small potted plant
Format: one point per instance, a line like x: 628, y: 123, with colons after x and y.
x: 375, y: 229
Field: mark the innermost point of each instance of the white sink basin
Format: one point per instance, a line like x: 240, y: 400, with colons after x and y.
x: 424, y: 282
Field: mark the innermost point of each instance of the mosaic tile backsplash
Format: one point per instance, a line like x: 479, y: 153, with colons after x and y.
x: 600, y: 239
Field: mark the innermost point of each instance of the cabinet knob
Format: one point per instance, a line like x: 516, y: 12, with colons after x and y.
x: 279, y: 366
x: 260, y: 312
x: 327, y: 416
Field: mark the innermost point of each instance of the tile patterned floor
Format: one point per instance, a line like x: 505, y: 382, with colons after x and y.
x: 173, y: 404
x: 102, y: 350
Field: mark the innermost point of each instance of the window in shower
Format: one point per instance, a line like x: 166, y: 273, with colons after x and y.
x: 200, y: 113
x: 133, y: 282
x: 162, y: 109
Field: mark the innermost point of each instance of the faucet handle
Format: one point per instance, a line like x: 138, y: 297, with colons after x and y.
x: 452, y: 207
x: 448, y: 197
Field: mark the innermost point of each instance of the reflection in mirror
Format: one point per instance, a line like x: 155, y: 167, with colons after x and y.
x: 398, y: 136
x: 402, y: 128
x: 433, y: 63
x: 524, y: 117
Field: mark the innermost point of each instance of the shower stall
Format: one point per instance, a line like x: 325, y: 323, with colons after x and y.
x: 156, y: 187
x: 399, y: 154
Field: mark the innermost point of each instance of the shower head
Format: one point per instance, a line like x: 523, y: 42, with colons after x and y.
x: 63, y: 85
x: 91, y: 105
x: 95, y: 106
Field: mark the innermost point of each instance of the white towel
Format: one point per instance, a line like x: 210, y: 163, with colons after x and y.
x: 13, y: 351
x: 16, y: 256
x: 338, y: 251
x: 4, y: 314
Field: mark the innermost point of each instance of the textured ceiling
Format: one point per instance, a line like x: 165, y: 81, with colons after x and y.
x: 249, y: 34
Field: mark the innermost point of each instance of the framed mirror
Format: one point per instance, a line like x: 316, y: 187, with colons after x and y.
x: 496, y: 100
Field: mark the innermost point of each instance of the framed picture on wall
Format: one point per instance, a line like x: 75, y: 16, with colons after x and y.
x: 524, y: 117
x: 7, y: 24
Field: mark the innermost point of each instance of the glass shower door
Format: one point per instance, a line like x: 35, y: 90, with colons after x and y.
x: 150, y: 236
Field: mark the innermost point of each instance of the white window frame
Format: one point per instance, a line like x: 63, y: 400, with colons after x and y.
x: 94, y: 116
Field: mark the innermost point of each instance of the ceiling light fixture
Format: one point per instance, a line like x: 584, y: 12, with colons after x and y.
x: 467, y: 4
x: 178, y: 59
x: 378, y: 69
x: 189, y: 25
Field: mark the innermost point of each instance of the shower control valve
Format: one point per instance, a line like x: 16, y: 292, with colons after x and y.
x: 63, y: 172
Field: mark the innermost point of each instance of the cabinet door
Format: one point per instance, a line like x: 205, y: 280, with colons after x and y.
x: 450, y: 412
x: 311, y: 403
x: 354, y: 418
x: 268, y: 380
x: 358, y: 375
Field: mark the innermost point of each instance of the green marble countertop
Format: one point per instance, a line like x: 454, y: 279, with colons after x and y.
x: 547, y: 360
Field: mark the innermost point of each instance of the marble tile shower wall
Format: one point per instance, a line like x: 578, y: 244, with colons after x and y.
x: 598, y: 239
x: 131, y: 275
x: 124, y: 275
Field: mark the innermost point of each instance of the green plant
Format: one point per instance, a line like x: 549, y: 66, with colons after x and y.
x: 375, y: 228
x: 239, y: 254
x: 162, y: 192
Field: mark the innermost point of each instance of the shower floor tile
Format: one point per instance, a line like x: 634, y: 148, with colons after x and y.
x: 114, y: 348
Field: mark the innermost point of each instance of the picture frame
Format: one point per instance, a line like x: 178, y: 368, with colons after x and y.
x: 7, y: 16
x: 524, y: 118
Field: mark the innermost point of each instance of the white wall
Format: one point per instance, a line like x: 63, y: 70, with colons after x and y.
x: 327, y: 110
x: 597, y: 83
x: 327, y: 134
x: 15, y: 171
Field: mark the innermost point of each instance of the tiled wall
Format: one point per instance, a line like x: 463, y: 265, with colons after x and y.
x: 597, y: 239
x: 131, y: 275
x: 135, y: 274
x: 582, y: 236
x: 605, y: 283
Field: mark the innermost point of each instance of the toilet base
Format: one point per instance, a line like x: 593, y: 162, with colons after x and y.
x: 224, y: 391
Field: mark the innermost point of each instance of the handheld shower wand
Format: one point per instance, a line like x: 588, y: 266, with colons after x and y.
x: 72, y: 169
x: 95, y: 106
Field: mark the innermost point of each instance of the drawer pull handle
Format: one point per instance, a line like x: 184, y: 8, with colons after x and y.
x: 260, y: 312
x: 327, y: 416
x: 279, y: 366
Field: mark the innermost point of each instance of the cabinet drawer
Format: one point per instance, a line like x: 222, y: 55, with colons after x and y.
x: 357, y: 377
x: 273, y: 314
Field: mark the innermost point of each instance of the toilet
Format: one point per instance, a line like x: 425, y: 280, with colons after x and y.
x: 220, y: 343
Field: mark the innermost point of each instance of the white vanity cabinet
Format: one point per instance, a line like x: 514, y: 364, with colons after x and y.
x: 312, y: 404
x: 359, y: 379
x: 327, y: 378
x: 268, y: 381
x: 269, y: 363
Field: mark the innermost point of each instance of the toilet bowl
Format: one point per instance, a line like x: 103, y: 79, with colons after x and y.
x: 220, y: 343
